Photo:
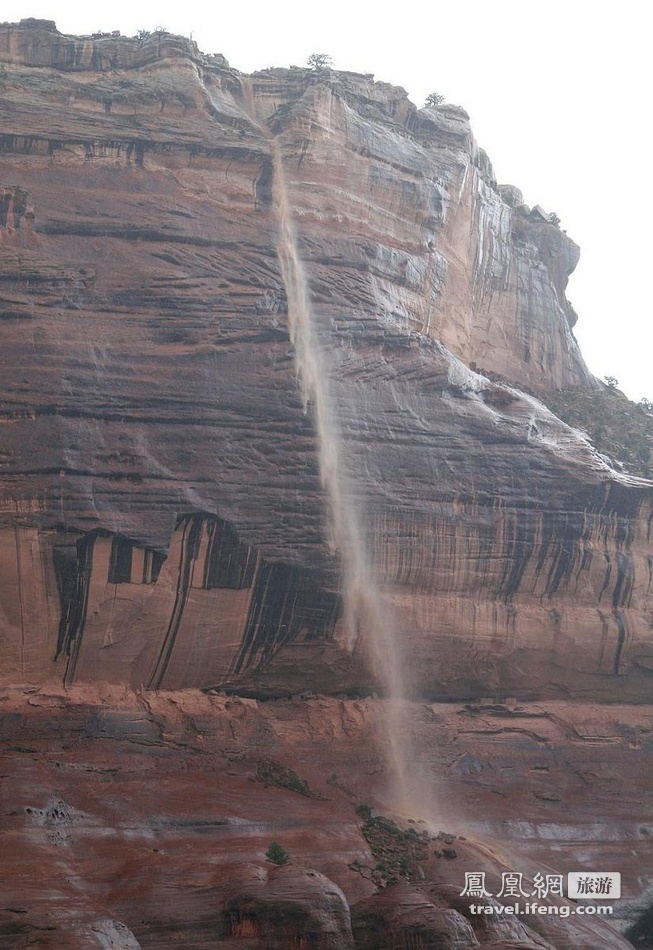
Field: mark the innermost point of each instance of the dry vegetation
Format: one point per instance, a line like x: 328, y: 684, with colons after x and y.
x: 619, y: 428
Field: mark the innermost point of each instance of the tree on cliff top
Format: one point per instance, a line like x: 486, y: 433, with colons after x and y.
x: 434, y: 99
x: 619, y: 428
x: 319, y: 61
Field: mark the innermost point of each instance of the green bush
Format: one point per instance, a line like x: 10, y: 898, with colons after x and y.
x: 273, y: 773
x: 277, y: 855
x: 398, y: 851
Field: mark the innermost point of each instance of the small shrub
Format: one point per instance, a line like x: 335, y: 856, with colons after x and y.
x: 273, y: 773
x: 398, y: 852
x: 277, y: 855
x: 434, y: 99
x: 554, y: 219
x: 3, y: 74
x: 319, y: 61
x: 364, y: 811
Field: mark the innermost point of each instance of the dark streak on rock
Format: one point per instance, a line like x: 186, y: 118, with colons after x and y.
x: 286, y: 603
x: 73, y: 568
x: 189, y: 549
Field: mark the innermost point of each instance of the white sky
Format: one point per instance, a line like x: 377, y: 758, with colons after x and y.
x: 558, y: 92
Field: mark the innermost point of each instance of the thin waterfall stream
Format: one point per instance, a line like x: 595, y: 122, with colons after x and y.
x: 368, y: 620
x: 365, y: 616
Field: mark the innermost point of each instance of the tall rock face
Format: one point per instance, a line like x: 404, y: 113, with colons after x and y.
x: 162, y: 518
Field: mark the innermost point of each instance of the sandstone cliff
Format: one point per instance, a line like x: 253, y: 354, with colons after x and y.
x: 162, y: 517
x: 163, y: 523
x: 143, y: 821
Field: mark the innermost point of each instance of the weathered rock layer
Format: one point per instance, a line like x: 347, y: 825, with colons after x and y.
x: 162, y: 519
x: 143, y: 821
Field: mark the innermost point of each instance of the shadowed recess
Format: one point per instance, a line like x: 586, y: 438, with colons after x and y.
x: 287, y: 605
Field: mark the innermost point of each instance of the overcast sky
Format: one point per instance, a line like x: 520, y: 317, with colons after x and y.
x: 558, y: 92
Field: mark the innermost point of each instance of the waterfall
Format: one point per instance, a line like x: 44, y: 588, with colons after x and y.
x: 368, y: 620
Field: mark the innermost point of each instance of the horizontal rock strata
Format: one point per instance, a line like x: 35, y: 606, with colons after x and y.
x: 162, y: 519
x: 143, y: 819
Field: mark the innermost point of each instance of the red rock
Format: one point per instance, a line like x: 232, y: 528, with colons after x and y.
x: 290, y: 906
x: 145, y: 811
x: 399, y: 916
x: 162, y: 521
x: 163, y: 524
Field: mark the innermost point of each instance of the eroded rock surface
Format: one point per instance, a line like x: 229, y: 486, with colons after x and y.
x: 162, y: 518
x: 143, y: 820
